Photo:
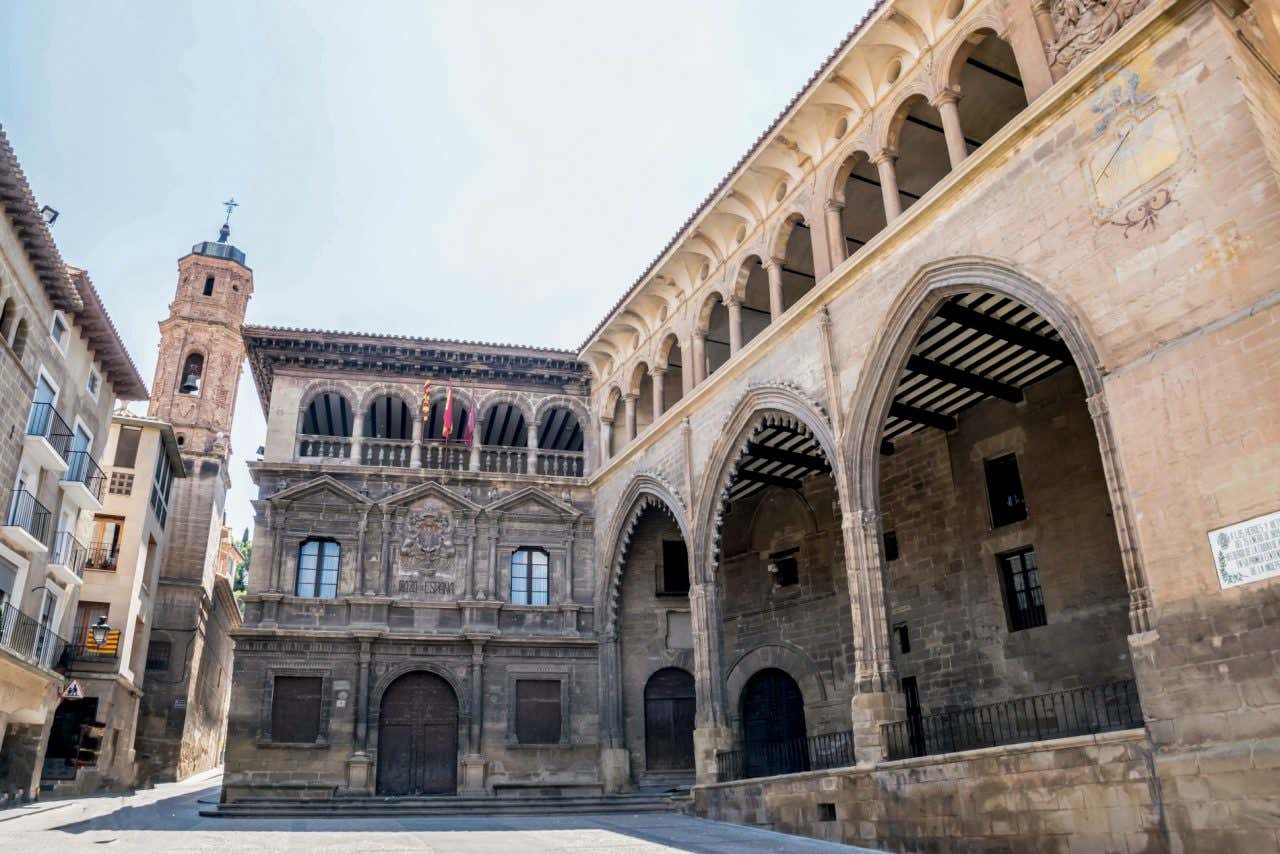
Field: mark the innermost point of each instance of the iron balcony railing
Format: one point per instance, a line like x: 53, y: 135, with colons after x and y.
x: 29, y: 639
x: 69, y: 552
x: 30, y: 515
x: 765, y: 759
x: 83, y: 468
x: 44, y: 420
x: 101, y: 556
x: 1079, y: 711
x: 87, y: 651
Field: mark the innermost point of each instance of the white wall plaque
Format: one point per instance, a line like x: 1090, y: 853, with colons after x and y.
x: 1248, y: 551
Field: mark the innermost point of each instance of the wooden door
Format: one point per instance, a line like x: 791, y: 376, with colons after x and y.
x: 668, y: 721
x: 418, y: 737
x: 773, y: 728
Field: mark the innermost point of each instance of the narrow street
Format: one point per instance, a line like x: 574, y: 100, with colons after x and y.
x: 166, y: 819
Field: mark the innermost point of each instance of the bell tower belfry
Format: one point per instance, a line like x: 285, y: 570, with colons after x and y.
x: 201, y: 349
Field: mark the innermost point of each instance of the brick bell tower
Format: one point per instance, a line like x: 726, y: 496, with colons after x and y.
x: 197, y: 374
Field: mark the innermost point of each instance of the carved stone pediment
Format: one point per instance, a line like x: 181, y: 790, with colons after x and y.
x: 1082, y: 25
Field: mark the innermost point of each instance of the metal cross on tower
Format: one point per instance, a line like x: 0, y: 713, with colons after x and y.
x: 230, y: 204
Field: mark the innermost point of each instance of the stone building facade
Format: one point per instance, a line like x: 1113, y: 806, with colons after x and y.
x: 184, y: 711
x: 928, y: 495
x: 62, y: 368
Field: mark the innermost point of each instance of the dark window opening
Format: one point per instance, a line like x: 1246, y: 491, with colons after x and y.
x: 295, y: 709
x: 208, y: 286
x: 127, y: 447
x: 1004, y: 491
x: 890, y: 545
x: 673, y: 575
x: 158, y: 652
x: 538, y: 711
x: 1023, y: 595
x: 903, y: 635
x: 785, y: 568
x: 826, y: 812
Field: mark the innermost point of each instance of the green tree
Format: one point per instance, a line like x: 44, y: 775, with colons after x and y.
x: 241, y: 583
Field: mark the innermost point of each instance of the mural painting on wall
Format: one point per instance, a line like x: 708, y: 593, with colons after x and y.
x: 427, y: 553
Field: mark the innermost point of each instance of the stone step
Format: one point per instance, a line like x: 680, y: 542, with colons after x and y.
x: 447, y: 806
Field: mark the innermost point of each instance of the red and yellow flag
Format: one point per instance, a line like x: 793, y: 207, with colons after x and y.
x: 447, y: 432
x: 426, y: 400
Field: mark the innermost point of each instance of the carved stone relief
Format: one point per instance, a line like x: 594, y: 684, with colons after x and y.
x: 1082, y: 25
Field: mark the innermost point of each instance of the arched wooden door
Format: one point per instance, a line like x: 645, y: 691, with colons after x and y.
x: 773, y: 730
x: 418, y: 737
x: 668, y: 721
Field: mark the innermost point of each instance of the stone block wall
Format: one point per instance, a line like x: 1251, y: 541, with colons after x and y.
x: 946, y: 587
x: 1087, y: 794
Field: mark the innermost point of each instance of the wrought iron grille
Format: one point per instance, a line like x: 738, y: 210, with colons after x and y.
x: 29, y: 639
x: 44, y: 420
x: 83, y: 468
x: 30, y: 515
x: 762, y: 759
x: 1079, y: 711
x: 67, y: 551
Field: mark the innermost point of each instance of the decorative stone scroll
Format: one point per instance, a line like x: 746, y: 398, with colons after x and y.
x: 1082, y: 25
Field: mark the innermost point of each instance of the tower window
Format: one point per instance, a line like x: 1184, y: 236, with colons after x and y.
x: 673, y: 575
x: 208, y: 286
x: 192, y: 373
x: 1004, y: 491
x: 529, y: 584
x: 890, y: 545
x: 784, y: 568
x: 903, y: 635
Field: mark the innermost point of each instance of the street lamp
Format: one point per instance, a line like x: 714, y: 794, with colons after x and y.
x: 100, y: 630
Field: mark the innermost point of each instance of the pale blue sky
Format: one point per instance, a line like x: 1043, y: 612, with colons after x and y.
x: 498, y: 171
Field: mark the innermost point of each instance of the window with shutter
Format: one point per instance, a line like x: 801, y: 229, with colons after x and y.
x: 295, y: 709
x: 538, y: 711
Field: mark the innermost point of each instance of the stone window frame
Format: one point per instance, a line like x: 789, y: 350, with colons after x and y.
x: 326, y: 703
x: 556, y: 557
x: 291, y: 552
x: 544, y: 673
x: 666, y: 629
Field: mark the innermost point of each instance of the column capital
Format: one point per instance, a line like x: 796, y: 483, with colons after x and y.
x: 771, y: 263
x: 606, y: 420
x: 884, y: 155
x: 733, y: 301
x: 630, y: 397
x: 701, y: 331
x: 658, y: 371
x: 949, y: 95
x: 836, y: 205
x: 1041, y: 6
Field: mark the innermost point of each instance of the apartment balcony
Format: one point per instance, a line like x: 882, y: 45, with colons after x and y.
x: 48, y: 438
x: 26, y: 523
x: 438, y: 455
x: 101, y: 556
x: 67, y: 555
x: 86, y: 654
x: 83, y: 481
x: 27, y: 639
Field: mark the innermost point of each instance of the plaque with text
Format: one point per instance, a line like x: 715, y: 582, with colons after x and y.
x: 1248, y: 551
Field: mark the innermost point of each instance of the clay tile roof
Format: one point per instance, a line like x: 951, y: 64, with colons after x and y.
x: 751, y: 152
x: 104, y: 339
x: 250, y: 329
x: 19, y: 205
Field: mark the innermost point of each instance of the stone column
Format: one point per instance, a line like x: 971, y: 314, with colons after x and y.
x: 357, y: 436
x: 469, y: 579
x: 659, y: 376
x: 699, y: 355
x: 531, y: 442
x: 629, y: 415
x: 387, y: 517
x: 834, y: 210
x: 686, y: 369
x: 773, y: 269
x: 888, y: 183
x: 360, y: 556
x: 568, y: 567
x: 359, y: 763
x: 735, y: 323
x: 279, y: 520
x: 606, y: 439
x: 415, y: 453
x: 615, y: 759
x: 473, y: 762
x: 945, y: 103
x: 711, y: 733
x: 473, y: 460
x: 1044, y: 21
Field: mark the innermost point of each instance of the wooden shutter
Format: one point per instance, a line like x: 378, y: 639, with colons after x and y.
x: 295, y: 709
x: 538, y: 711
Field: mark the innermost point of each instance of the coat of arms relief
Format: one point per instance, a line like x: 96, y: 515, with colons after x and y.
x: 426, y: 554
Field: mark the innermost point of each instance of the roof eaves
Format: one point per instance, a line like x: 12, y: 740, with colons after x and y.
x: 105, y: 339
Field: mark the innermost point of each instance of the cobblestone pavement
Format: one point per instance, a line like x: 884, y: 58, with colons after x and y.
x: 165, y: 819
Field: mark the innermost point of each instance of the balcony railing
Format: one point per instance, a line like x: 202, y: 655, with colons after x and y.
x: 386, y: 452
x: 445, y: 456
x: 86, y: 651
x: 325, y: 447
x: 1080, y: 711
x: 45, y: 421
x: 101, y: 556
x: 28, y: 514
x: 82, y: 468
x: 765, y: 759
x: 504, y: 460
x: 561, y: 463
x: 69, y: 552
x: 28, y: 639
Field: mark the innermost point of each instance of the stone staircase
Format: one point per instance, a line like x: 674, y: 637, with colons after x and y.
x: 451, y: 806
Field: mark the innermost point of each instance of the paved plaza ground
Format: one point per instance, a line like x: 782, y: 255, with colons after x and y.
x: 165, y: 819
